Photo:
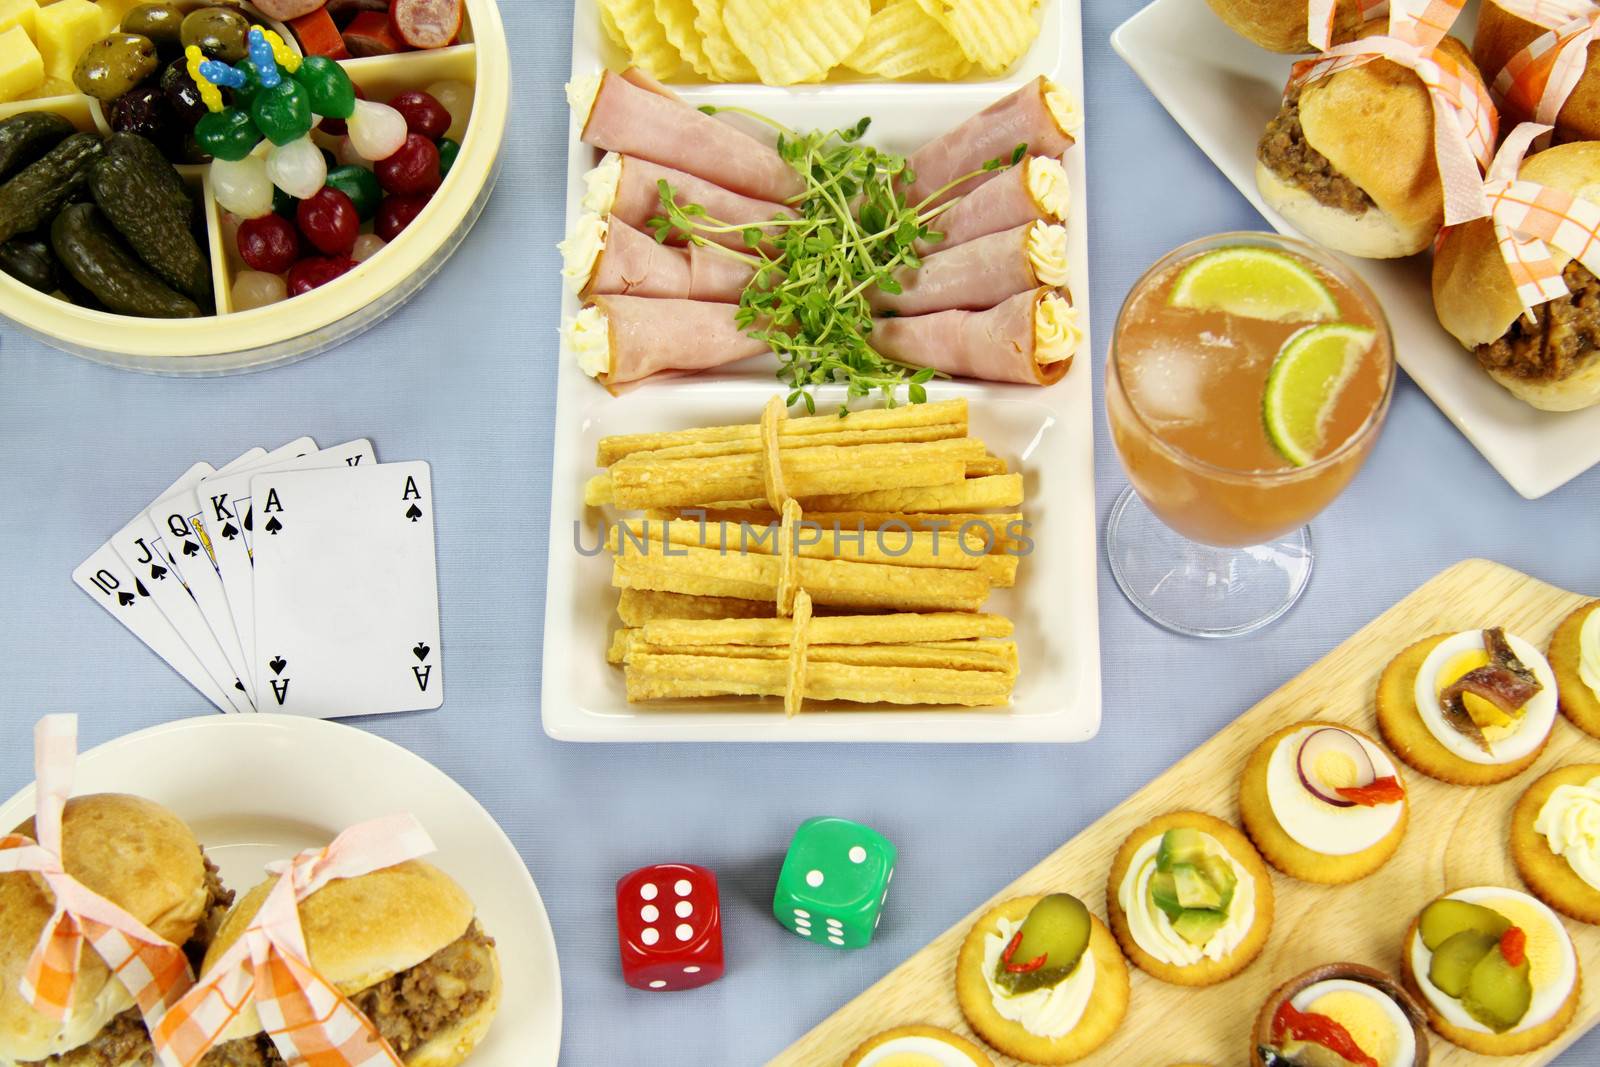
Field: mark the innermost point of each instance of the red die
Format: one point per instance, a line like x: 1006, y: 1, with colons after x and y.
x: 669, y: 927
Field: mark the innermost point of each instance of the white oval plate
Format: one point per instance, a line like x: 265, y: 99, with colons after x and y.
x: 263, y: 787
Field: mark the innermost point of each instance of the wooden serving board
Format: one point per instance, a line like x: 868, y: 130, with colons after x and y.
x: 1456, y: 837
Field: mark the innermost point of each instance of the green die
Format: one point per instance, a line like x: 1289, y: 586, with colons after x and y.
x: 834, y: 881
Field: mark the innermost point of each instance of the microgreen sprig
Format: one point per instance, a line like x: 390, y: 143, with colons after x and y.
x: 850, y: 231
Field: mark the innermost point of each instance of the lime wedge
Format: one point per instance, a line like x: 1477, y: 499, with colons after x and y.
x: 1256, y: 283
x: 1312, y: 369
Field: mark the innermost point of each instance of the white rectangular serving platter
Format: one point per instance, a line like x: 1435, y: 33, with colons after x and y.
x: 1223, y: 90
x: 1047, y: 433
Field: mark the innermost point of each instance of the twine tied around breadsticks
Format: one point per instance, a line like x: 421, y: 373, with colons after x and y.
x: 1536, y: 82
x: 307, y: 1018
x: 793, y: 602
x: 1531, y: 219
x: 153, y: 970
x: 1465, y: 121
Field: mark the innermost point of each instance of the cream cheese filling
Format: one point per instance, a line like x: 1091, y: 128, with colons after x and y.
x: 1570, y: 823
x: 1066, y: 111
x: 1047, y: 253
x: 589, y: 337
x: 1056, y: 335
x: 1048, y: 186
x: 581, y: 95
x: 1152, y: 929
x: 581, y: 248
x: 1048, y: 1012
x: 600, y: 184
x: 1589, y: 652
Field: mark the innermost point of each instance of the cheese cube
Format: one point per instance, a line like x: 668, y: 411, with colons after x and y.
x: 18, y: 13
x: 63, y: 30
x: 112, y: 12
x: 21, y: 68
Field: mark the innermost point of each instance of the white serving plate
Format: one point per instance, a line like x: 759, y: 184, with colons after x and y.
x: 261, y: 788
x: 1223, y: 90
x: 1047, y: 433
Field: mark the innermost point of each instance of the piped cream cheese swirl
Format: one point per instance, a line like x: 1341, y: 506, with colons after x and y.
x: 589, y: 337
x: 1570, y: 823
x: 581, y: 249
x: 1064, y: 109
x: 1048, y: 186
x: 1047, y: 253
x: 1589, y: 652
x: 600, y: 184
x: 1151, y: 928
x: 581, y: 95
x: 1056, y: 335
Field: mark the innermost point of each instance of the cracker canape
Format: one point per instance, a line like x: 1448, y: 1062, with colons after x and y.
x: 1575, y: 660
x: 1339, y: 1013
x: 918, y: 1046
x: 1555, y: 840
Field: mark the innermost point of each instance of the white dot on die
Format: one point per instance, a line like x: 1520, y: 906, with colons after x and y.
x: 684, y: 909
x: 858, y: 855
x: 683, y: 888
x: 649, y: 913
x: 650, y: 936
x: 801, y: 913
x: 813, y: 878
x: 691, y: 970
x: 648, y: 891
x: 684, y: 931
x: 659, y: 983
x: 836, y: 939
x: 803, y: 931
x: 801, y: 924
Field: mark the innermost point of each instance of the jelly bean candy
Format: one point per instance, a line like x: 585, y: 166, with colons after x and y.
x: 244, y: 94
x: 423, y: 113
x: 376, y: 130
x: 396, y: 213
x: 413, y: 168
x: 269, y: 244
x: 227, y: 134
x: 329, y: 222
x: 367, y: 246
x: 448, y: 151
x: 297, y: 168
x: 282, y: 113
x: 260, y: 57
x: 254, y: 289
x: 242, y: 186
x: 456, y: 97
x: 328, y: 87
x: 309, y: 274
x: 360, y: 185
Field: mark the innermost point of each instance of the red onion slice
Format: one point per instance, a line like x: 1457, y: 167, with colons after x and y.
x: 1328, y: 740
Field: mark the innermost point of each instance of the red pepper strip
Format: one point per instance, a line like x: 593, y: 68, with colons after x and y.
x: 1385, y: 790
x: 1514, y: 946
x: 318, y: 36
x: 1319, y: 1030
x: 1025, y: 968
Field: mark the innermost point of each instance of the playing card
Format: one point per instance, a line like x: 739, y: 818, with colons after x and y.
x: 346, y: 592
x: 141, y: 547
x: 192, y: 560
x: 107, y: 579
x: 228, y: 497
x: 210, y: 515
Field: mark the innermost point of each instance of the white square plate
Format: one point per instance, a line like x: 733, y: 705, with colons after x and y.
x: 1223, y: 90
x: 1046, y: 433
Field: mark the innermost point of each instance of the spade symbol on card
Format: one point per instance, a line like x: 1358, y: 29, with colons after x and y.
x: 277, y: 663
x: 273, y: 526
x: 190, y: 548
x: 229, y: 532
x: 249, y: 517
x: 413, y: 513
x: 125, y: 598
x: 137, y: 584
x: 421, y: 650
x: 157, y: 572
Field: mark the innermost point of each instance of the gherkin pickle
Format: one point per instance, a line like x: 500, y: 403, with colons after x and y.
x: 1047, y: 947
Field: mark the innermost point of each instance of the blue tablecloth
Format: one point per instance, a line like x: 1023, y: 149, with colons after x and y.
x: 464, y: 376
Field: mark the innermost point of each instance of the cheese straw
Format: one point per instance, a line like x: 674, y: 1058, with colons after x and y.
x: 840, y: 630
x: 952, y: 655
x: 986, y: 466
x: 948, y: 416
x: 996, y: 491
x: 979, y: 532
x: 638, y: 606
x: 843, y: 583
x: 668, y: 677
x: 894, y: 546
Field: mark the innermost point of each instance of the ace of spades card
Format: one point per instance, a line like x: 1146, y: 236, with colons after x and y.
x: 346, y: 591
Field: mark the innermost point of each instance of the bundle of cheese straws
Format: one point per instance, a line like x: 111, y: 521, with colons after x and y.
x: 818, y: 558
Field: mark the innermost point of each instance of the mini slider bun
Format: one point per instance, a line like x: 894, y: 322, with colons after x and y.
x: 362, y: 931
x: 1501, y: 34
x: 1372, y: 125
x: 1476, y: 301
x: 136, y: 854
x: 1280, y: 25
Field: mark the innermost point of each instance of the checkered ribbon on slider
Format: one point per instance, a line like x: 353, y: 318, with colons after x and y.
x: 1464, y: 117
x: 1530, y: 219
x: 309, y: 1021
x: 1319, y: 19
x: 153, y: 970
x: 1536, y: 81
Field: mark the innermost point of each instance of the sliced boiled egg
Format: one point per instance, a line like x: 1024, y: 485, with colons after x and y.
x: 1372, y: 1019
x: 1510, y: 737
x: 917, y: 1050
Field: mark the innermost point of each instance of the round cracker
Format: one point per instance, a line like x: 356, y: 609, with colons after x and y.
x: 1550, y: 876
x: 933, y: 1033
x: 1206, y: 972
x: 1579, y: 703
x: 1511, y: 1044
x: 1289, y: 855
x: 789, y: 43
x: 1108, y: 1002
x: 1409, y: 737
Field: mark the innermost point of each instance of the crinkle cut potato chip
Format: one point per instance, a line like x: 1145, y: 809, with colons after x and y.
x: 727, y: 62
x: 677, y: 20
x: 903, y: 40
x: 644, y: 36
x: 609, y: 24
x: 790, y: 42
x: 993, y: 33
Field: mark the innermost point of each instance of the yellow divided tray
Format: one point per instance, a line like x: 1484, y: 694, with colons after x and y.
x: 232, y: 341
x: 1456, y: 837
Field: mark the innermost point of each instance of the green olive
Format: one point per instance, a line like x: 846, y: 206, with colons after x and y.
x: 218, y: 31
x: 162, y: 23
x: 115, y: 64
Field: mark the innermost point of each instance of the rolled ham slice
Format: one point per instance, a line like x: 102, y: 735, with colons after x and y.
x: 649, y: 336
x: 642, y: 122
x: 972, y: 276
x: 634, y: 264
x: 638, y: 200
x: 993, y: 133
x: 998, y: 345
x: 1035, y: 190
